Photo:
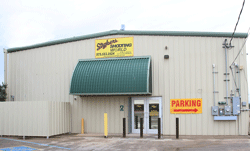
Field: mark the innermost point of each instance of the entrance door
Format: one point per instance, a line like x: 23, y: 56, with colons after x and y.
x: 148, y: 108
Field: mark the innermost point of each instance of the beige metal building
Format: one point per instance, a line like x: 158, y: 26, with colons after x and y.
x: 138, y: 74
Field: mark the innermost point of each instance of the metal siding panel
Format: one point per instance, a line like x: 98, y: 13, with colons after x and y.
x: 155, y: 63
x: 126, y: 113
x: 14, y: 75
x: 18, y: 80
x: 114, y: 119
x: 85, y: 113
x: 172, y: 72
x: 2, y: 114
x: 167, y: 88
x: 206, y: 85
x: 20, y: 77
x: 142, y: 46
x: 74, y: 108
x: 111, y: 114
x: 86, y: 109
x: 61, y: 113
x: 34, y: 118
x: 118, y: 116
x: 54, y: 110
x: 198, y: 81
x: 187, y: 83
x: 6, y: 118
x: 63, y: 116
x: 192, y: 85
x: 96, y: 107
x: 20, y: 120
x: 38, y: 117
x: 221, y: 84
x: 57, y: 127
x: 49, y: 116
x: 244, y: 91
x: 182, y: 83
x: 25, y: 77
x: 216, y: 51
x: 10, y: 120
x: 203, y: 86
x: 30, y: 118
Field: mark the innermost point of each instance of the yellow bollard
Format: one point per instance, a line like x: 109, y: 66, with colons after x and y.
x: 105, y: 125
x: 82, y: 126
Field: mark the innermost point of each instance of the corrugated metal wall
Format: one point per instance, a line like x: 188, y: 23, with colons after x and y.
x: 92, y: 109
x: 188, y: 74
x: 45, y: 73
x: 34, y: 118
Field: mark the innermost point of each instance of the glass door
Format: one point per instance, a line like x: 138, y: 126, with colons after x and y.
x: 149, y: 109
x: 153, y: 105
x: 138, y: 108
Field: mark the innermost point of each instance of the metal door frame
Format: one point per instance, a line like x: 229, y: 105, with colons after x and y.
x: 146, y: 129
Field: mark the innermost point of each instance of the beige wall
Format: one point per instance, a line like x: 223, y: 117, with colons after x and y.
x: 92, y: 109
x: 45, y: 73
x: 34, y: 118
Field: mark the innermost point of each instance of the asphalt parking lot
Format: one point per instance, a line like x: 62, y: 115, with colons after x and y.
x: 132, y: 142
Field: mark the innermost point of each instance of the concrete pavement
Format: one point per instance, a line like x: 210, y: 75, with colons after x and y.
x: 132, y: 142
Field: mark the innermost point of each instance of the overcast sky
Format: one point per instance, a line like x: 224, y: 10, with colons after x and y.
x: 27, y: 22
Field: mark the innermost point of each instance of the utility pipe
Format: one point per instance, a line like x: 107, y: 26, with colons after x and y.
x: 225, y: 46
x: 214, y: 82
x: 226, y: 72
x: 5, y: 66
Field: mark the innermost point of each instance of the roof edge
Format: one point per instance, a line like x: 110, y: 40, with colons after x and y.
x: 130, y: 32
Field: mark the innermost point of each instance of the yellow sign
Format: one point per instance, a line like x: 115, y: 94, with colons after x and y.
x: 114, y: 47
x: 185, y: 106
x: 154, y: 113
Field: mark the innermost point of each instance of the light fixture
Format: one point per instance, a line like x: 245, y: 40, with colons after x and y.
x: 166, y: 56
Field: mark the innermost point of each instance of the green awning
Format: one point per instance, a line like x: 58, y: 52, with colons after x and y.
x: 112, y: 76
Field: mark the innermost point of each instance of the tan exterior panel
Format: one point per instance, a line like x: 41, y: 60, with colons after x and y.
x: 44, y: 74
x: 34, y: 118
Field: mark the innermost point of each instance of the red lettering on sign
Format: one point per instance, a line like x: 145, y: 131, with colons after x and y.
x: 173, y: 102
x: 186, y: 102
x: 177, y: 103
x: 182, y: 103
x: 193, y: 103
x: 198, y: 103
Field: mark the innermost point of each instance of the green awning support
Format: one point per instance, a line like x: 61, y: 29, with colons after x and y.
x: 112, y: 76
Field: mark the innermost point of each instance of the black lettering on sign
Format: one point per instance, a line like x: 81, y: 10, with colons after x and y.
x: 104, y: 45
x: 121, y: 45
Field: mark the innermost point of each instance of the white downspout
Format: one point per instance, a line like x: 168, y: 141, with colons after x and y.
x: 5, y: 68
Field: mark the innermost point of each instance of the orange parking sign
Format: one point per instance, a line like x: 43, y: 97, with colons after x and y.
x: 186, y: 106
